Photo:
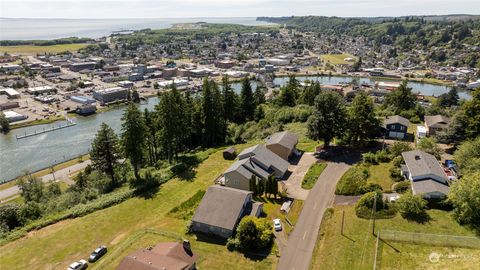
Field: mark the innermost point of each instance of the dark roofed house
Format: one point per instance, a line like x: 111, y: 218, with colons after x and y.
x: 164, y: 256
x: 255, y: 161
x: 221, y: 209
x: 282, y: 143
x: 396, y: 126
x: 426, y: 175
x: 436, y: 123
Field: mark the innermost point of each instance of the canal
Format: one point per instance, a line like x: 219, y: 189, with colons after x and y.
x: 41, y: 151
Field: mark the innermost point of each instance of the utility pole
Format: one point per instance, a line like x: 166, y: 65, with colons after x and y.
x: 374, y: 210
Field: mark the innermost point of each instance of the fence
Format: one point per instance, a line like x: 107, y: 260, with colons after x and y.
x: 430, y: 239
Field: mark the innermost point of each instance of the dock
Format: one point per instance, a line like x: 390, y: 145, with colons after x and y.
x: 69, y: 123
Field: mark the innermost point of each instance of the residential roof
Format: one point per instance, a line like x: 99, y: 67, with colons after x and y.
x: 396, y: 119
x: 221, y: 207
x: 263, y: 158
x: 164, y: 256
x: 436, y: 120
x: 420, y: 164
x: 428, y: 186
x: 284, y: 138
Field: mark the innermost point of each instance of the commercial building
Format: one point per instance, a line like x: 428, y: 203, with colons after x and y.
x: 86, y: 109
x: 10, y: 67
x: 111, y: 94
x: 14, y: 116
x: 83, y: 99
x: 41, y: 90
x: 9, y: 105
x: 82, y: 66
x: 225, y: 64
x: 10, y: 92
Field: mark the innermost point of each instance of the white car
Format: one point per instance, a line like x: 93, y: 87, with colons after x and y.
x: 277, y: 225
x: 80, y: 265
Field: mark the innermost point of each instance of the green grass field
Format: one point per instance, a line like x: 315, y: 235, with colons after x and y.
x: 312, y: 175
x: 31, y: 49
x: 56, y: 246
x: 355, y: 249
x: 379, y: 174
x: 337, y: 59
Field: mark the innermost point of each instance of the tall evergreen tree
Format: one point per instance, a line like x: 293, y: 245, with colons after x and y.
x: 361, y: 120
x: 259, y: 96
x: 208, y: 108
x: 402, y: 99
x: 472, y: 113
x: 134, y: 137
x: 328, y: 118
x: 151, y: 136
x: 247, y: 102
x: 105, y: 152
x: 230, y: 101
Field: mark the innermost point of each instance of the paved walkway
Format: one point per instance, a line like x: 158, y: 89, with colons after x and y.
x: 60, y: 175
x: 294, y: 181
x: 301, y: 242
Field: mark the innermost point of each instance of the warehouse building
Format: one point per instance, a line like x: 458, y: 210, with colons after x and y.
x: 41, y: 90
x: 10, y: 92
x: 82, y: 66
x: 14, y: 116
x: 111, y: 94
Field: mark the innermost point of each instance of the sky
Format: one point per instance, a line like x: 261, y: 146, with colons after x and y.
x: 230, y: 8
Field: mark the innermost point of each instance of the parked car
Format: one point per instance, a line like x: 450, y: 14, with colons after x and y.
x: 277, y: 225
x: 80, y: 265
x: 97, y: 253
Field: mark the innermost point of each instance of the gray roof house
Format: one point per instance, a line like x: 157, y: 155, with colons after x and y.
x: 282, y: 143
x: 221, y: 209
x: 254, y: 161
x: 436, y: 123
x: 396, y: 126
x: 426, y: 175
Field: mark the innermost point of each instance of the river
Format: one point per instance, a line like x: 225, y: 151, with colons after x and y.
x: 41, y: 151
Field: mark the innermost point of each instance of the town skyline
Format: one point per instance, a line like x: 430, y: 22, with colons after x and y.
x: 149, y: 9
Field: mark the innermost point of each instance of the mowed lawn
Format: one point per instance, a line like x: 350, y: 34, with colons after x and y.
x: 337, y: 59
x: 31, y: 49
x: 380, y: 174
x: 356, y: 248
x: 56, y: 246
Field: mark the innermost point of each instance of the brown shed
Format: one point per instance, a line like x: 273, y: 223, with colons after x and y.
x: 230, y: 153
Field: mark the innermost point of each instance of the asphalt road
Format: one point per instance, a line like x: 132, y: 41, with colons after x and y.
x: 60, y: 175
x: 301, y: 242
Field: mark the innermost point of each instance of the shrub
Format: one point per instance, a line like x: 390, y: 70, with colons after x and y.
x: 371, y: 187
x: 398, y: 161
x: 254, y: 233
x: 383, y: 156
x: 352, y: 182
x: 398, y: 148
x: 395, y: 174
x: 401, y: 187
x: 370, y: 158
x: 365, y: 206
x: 412, y: 207
x: 233, y: 244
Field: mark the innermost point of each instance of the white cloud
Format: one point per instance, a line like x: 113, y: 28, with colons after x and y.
x: 229, y: 8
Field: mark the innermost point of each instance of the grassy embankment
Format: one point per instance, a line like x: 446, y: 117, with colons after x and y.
x: 312, y: 175
x: 32, y: 49
x: 355, y: 249
x: 50, y: 120
x: 74, y: 239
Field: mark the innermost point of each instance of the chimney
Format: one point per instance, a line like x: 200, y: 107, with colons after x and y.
x: 186, y: 246
x: 417, y: 157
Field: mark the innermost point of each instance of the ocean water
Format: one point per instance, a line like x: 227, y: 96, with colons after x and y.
x: 25, y: 29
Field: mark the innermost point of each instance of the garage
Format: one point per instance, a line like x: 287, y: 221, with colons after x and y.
x: 393, y: 134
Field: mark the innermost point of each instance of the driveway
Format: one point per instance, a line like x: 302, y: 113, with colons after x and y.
x: 60, y: 175
x: 301, y: 242
x: 294, y: 181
